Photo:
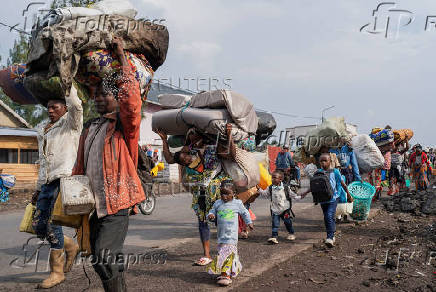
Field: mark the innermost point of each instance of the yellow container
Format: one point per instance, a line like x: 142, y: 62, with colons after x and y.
x: 26, y: 222
x: 159, y: 167
x: 265, y: 177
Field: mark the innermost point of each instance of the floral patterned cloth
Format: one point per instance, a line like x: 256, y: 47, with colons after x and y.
x: 4, y: 193
x: 99, y: 64
x: 205, y: 189
x: 419, y: 173
x: 227, y: 261
x: 205, y: 186
x: 248, y: 144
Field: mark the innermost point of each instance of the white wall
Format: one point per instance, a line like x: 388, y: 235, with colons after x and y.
x: 147, y: 136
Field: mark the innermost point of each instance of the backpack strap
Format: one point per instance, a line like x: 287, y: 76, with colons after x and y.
x: 270, y: 192
x: 288, y: 197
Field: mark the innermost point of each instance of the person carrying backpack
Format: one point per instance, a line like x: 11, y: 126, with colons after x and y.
x: 281, y: 206
x: 326, y: 186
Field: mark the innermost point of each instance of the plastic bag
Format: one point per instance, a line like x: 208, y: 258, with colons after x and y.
x: 120, y: 7
x: 265, y: 177
x: 310, y: 170
x: 344, y: 209
x: 8, y: 180
x: 369, y: 156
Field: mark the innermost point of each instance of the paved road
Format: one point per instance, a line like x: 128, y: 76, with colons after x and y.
x: 171, y: 227
x: 172, y: 223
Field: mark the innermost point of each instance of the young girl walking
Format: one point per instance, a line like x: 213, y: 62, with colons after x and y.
x: 225, y: 212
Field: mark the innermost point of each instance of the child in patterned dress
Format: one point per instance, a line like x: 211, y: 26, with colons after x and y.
x: 225, y: 212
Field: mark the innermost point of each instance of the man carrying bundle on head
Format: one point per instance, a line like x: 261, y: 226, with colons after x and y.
x: 58, y: 140
x: 108, y: 155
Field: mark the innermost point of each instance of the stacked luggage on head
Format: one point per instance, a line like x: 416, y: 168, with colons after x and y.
x: 210, y: 115
x: 72, y: 45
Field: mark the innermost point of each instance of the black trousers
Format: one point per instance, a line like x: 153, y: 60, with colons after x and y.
x: 107, y: 240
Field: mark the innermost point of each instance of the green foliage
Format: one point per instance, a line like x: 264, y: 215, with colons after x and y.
x: 18, y: 54
x: 34, y: 114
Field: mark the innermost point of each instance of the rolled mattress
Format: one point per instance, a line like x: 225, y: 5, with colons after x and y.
x: 207, y: 121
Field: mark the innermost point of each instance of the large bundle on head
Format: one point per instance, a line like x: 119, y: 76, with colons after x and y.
x: 11, y: 81
x: 267, y: 125
x: 208, y: 112
x: 75, y: 42
x: 330, y: 134
x: 367, y: 153
x: 382, y: 137
x: 402, y: 135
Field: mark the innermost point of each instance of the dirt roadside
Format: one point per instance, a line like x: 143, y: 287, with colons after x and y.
x: 392, y: 252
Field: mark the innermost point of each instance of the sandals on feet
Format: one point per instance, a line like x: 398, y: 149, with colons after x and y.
x: 224, y: 281
x: 204, y: 261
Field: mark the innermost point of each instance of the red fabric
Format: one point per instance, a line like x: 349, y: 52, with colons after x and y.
x: 241, y: 224
x: 273, y: 151
x: 120, y: 155
x: 423, y: 157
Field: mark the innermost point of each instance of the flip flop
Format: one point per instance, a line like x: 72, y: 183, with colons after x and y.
x: 204, y: 261
x: 224, y: 281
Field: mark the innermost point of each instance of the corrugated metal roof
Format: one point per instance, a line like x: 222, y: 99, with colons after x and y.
x: 158, y: 88
x: 14, y: 114
x: 5, y: 131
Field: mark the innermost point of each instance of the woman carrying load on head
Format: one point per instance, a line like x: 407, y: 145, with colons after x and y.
x: 379, y: 177
x: 397, y: 172
x: 418, y: 165
x: 203, y: 174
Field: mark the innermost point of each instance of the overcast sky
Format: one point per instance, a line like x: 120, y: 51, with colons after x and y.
x: 298, y: 57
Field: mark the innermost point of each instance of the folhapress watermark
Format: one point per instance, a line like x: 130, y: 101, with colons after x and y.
x: 36, y: 254
x: 388, y: 20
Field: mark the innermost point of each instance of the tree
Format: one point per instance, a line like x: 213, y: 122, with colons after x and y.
x: 34, y: 114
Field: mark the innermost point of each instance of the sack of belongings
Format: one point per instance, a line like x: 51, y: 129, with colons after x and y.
x: 11, y: 81
x: 97, y: 65
x: 58, y: 45
x: 238, y: 107
x: 369, y: 156
x: 209, y: 112
x: 402, y: 135
x: 330, y: 133
x: 383, y: 137
x: 266, y: 126
x: 34, y: 89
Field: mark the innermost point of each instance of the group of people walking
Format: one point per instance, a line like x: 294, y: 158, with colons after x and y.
x: 105, y: 149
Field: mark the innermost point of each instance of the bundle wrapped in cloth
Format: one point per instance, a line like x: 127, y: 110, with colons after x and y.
x: 383, y: 137
x: 369, y: 156
x: 208, y: 112
x: 330, y: 133
x: 403, y: 135
x: 36, y: 88
x: 11, y: 81
x: 69, y: 41
x: 97, y: 65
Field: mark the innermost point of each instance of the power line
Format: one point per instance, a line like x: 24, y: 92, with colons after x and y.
x: 288, y: 115
x: 14, y: 27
